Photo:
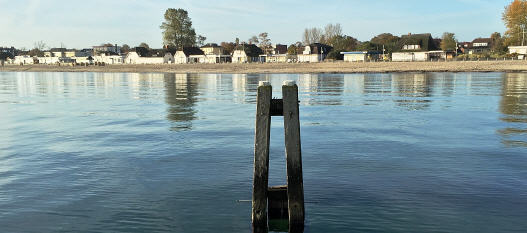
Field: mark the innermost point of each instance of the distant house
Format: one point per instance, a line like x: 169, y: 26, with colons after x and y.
x: 212, y: 49
x: 464, y: 46
x: 87, y: 52
x: 76, y: 53
x: 279, y: 49
x: 135, y: 58
x: 11, y: 51
x: 520, y: 50
x: 183, y: 56
x: 168, y: 58
x: 273, y: 58
x: 246, y: 53
x: 278, y: 54
x: 214, y: 54
x: 480, y: 45
x: 55, y: 52
x: 48, y: 60
x: 107, y: 48
x: 23, y: 60
x: 103, y: 58
x: 316, y: 52
x: 361, y: 56
x: 417, y: 43
x: 415, y: 47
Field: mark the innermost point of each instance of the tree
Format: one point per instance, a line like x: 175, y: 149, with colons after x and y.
x: 264, y: 42
x: 125, y: 48
x: 144, y: 45
x: 331, y: 31
x: 498, y: 43
x: 228, y: 47
x: 37, y: 51
x: 237, y: 41
x: 342, y: 44
x: 253, y: 40
x: 177, y: 29
x: 40, y: 45
x: 515, y: 19
x: 292, y: 49
x: 386, y: 41
x: 201, y: 40
x: 312, y: 35
x: 448, y: 42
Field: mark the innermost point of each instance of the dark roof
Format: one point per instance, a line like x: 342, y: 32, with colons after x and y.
x: 318, y: 48
x: 251, y: 50
x: 192, y: 51
x: 141, y: 51
x: 424, y: 40
x: 214, y: 45
x: 482, y: 40
x: 58, y: 50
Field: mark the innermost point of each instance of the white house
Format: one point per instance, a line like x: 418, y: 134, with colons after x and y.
x: 246, y: 53
x: 520, y: 50
x: 410, y: 56
x: 419, y: 56
x: 361, y: 56
x: 168, y: 58
x: 48, y: 60
x: 314, y: 53
x: 108, y: 59
x: 23, y: 60
x: 134, y: 58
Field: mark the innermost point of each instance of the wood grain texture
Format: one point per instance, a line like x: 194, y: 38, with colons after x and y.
x: 261, y: 157
x: 295, y: 186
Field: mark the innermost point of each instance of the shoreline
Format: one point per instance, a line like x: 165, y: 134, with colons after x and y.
x: 288, y: 68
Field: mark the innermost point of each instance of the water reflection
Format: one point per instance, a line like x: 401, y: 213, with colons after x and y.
x: 181, y: 96
x: 514, y: 105
x: 415, y: 90
x: 182, y: 92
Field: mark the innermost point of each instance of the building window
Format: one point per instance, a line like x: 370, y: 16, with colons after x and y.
x: 411, y: 47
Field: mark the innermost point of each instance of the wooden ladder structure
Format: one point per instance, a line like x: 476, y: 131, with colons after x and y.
x: 288, y: 108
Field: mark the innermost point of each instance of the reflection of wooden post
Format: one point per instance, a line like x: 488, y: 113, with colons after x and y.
x: 261, y: 156
x: 295, y: 186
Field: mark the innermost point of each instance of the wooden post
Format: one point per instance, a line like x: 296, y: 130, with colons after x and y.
x: 295, y: 186
x: 261, y: 156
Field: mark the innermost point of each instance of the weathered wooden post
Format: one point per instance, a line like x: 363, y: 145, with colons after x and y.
x: 261, y: 155
x: 295, y: 183
x: 288, y: 108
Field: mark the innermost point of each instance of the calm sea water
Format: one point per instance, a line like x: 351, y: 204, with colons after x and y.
x: 95, y: 152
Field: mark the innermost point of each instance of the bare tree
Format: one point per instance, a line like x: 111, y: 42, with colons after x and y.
x: 264, y: 42
x: 312, y: 35
x: 331, y: 31
x: 40, y: 45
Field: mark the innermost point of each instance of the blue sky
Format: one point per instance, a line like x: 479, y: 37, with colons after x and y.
x: 83, y: 23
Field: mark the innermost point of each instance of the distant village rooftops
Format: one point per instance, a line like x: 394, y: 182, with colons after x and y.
x: 317, y: 48
x: 188, y: 51
x: 482, y: 42
x: 417, y: 42
x: 209, y: 45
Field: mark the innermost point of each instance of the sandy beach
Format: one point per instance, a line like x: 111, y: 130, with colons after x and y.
x: 325, y: 67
